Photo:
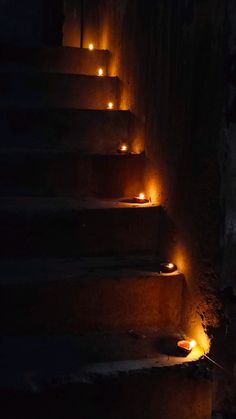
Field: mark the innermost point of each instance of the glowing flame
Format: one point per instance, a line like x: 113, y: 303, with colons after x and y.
x: 187, y: 344
x: 91, y: 47
x: 100, y: 72
x: 124, y: 147
x: 170, y: 265
x: 192, y: 344
x: 110, y: 105
x: 142, y: 196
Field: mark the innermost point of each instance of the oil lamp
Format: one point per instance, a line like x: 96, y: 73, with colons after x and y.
x: 141, y: 199
x: 186, y: 345
x: 167, y: 267
x: 123, y: 149
x: 91, y: 47
x: 100, y: 72
x: 110, y: 105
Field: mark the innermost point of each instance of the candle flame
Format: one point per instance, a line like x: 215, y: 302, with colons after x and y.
x: 91, y: 47
x: 100, y: 72
x: 141, y: 195
x: 110, y: 105
x: 124, y: 147
x: 170, y: 265
x: 192, y: 344
x: 187, y: 344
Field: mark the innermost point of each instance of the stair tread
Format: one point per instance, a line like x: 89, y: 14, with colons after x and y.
x: 17, y: 271
x: 54, y: 150
x: 53, y: 58
x: 92, y: 130
x: 54, y: 204
x: 66, y: 109
x: 59, y: 360
x: 45, y: 89
x: 50, y: 74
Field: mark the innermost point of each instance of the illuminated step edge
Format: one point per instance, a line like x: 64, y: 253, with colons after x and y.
x: 62, y: 227
x: 33, y: 89
x: 54, y: 59
x: 95, y: 298
x: 94, y: 131
x: 56, y: 173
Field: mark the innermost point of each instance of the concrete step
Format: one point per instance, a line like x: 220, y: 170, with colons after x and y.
x: 106, y: 294
x: 92, y: 131
x: 106, y: 376
x: 68, y: 227
x: 31, y: 89
x: 54, y: 60
x: 27, y: 172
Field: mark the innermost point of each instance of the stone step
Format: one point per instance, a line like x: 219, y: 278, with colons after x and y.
x: 106, y: 376
x: 54, y: 60
x: 68, y: 227
x: 31, y: 89
x: 88, y: 294
x: 27, y: 172
x: 92, y: 131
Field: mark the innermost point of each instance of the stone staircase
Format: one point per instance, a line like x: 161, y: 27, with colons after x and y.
x: 89, y: 325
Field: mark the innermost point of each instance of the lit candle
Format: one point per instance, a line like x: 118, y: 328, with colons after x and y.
x: 186, y: 345
x: 167, y: 267
x: 110, y: 105
x: 141, y: 199
x: 100, y: 72
x: 91, y: 47
x: 123, y: 149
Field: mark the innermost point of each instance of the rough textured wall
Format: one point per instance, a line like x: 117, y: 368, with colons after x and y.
x: 72, y: 24
x: 225, y: 347
x: 169, y: 56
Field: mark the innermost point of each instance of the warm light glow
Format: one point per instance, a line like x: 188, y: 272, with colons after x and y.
x: 170, y: 265
x: 193, y: 343
x: 91, y: 47
x: 141, y: 199
x: 110, y: 105
x: 188, y: 345
x: 203, y: 340
x: 100, y: 72
x: 123, y: 148
x: 167, y: 267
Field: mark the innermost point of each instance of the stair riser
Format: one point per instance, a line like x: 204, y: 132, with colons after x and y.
x: 58, y: 90
x: 96, y: 304
x: 89, y: 131
x: 58, y: 60
x: 85, y: 232
x: 42, y: 174
x: 171, y: 394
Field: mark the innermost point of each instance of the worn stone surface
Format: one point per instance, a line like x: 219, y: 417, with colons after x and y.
x: 96, y: 297
x: 69, y: 227
x: 94, y: 131
x: 31, y: 89
x: 127, y: 396
x: 27, y: 172
x: 66, y: 60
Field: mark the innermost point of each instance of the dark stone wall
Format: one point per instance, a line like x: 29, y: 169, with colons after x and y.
x: 170, y: 58
x: 177, y: 63
x: 225, y: 346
